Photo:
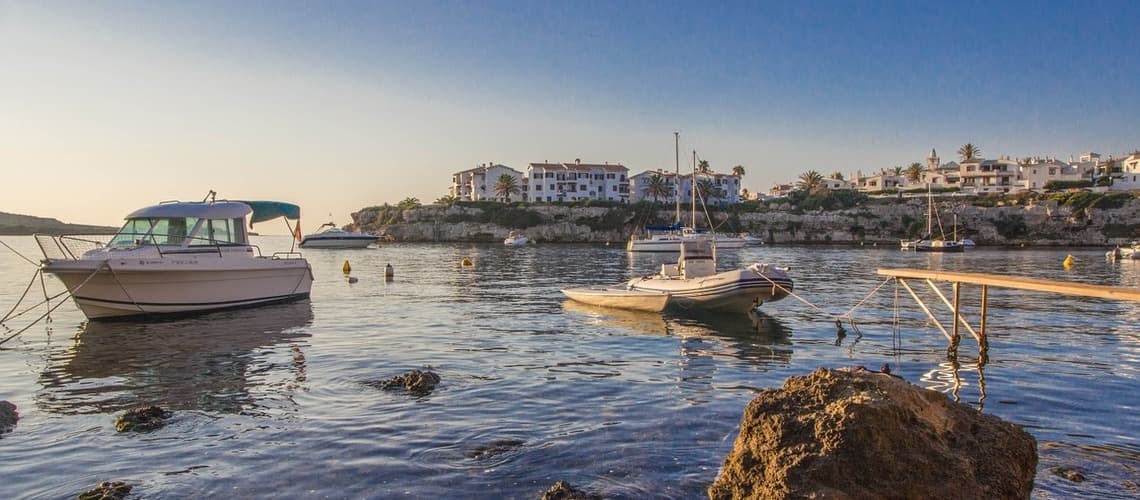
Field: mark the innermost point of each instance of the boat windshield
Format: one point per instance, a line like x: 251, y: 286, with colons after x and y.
x: 154, y: 231
x: 219, y: 232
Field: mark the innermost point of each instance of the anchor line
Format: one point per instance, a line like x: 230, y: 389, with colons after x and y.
x: 52, y: 308
x: 21, y: 299
x: 30, y: 261
x: 837, y: 317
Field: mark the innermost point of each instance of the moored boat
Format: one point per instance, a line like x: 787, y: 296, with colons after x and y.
x: 330, y: 236
x: 178, y: 257
x: 515, y: 239
x: 693, y: 282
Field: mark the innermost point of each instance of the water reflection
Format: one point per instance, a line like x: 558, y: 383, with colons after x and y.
x: 231, y: 362
x: 947, y: 378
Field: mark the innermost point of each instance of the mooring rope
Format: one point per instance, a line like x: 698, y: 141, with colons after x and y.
x: 30, y: 261
x: 21, y: 299
x: 838, y: 317
x: 52, y: 308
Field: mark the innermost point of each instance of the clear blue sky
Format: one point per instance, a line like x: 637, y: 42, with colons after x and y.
x: 109, y: 106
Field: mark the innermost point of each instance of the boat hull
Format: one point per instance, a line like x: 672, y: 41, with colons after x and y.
x: 736, y: 290
x: 621, y: 298
x: 338, y: 242
x: 119, y: 287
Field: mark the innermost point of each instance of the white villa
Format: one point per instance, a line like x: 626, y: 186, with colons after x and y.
x: 727, y: 186
x: 479, y: 183
x: 576, y: 181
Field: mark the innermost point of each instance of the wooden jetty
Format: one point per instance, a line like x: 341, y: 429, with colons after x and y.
x: 985, y: 281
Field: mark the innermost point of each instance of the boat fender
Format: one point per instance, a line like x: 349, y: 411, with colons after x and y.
x: 346, y: 268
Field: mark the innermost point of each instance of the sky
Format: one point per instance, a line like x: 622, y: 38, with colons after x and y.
x: 109, y: 106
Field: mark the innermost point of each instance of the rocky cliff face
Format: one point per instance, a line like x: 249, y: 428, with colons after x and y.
x: 1038, y: 223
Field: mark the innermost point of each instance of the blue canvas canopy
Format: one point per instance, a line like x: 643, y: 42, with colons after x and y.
x: 674, y: 227
x: 269, y: 210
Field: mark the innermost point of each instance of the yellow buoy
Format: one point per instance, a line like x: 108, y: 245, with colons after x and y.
x: 1068, y: 261
x: 465, y: 262
x: 346, y: 268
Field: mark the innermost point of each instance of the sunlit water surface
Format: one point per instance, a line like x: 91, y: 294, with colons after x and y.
x: 276, y: 401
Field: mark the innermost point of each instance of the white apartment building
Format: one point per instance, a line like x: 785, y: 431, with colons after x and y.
x: 1129, y: 173
x: 479, y: 183
x: 576, y: 181
x: 726, y: 187
x: 1035, y: 173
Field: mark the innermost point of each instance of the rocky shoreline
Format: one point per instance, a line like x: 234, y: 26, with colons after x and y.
x: 1012, y: 224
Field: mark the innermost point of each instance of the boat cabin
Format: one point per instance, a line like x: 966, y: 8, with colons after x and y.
x: 219, y: 223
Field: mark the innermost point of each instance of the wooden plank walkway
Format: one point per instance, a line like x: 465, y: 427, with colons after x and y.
x: 1020, y: 283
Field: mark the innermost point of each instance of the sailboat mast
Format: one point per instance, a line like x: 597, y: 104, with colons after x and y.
x: 677, y: 176
x: 694, y: 185
x: 929, y: 212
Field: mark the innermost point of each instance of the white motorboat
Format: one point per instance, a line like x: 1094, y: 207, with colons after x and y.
x: 330, y: 236
x: 693, y: 282
x: 1129, y: 252
x: 516, y: 239
x: 178, y: 257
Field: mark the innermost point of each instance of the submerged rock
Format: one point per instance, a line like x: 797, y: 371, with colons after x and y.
x: 142, y: 419
x: 107, y: 490
x: 563, y: 491
x: 416, y: 382
x: 861, y: 434
x: 1071, y: 473
x: 494, y: 448
x: 8, y: 417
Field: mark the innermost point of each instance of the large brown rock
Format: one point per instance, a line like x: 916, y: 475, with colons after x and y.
x: 860, y: 434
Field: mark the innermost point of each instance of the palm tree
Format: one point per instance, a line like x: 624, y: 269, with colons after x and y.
x: 810, y: 182
x: 968, y: 151
x: 506, y: 186
x: 738, y: 170
x: 408, y: 203
x: 914, y: 172
x: 703, y: 167
x: 837, y: 175
x: 897, y: 170
x: 658, y: 187
x: 447, y: 200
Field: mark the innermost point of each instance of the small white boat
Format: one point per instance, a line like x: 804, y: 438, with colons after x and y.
x: 178, y: 257
x: 330, y: 236
x: 1130, y: 252
x: 515, y: 239
x: 693, y: 282
x: 619, y: 297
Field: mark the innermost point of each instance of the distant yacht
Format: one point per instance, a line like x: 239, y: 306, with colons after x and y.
x: 330, y: 236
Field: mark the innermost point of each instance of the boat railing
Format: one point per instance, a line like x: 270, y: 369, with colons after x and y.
x: 71, y: 247
x: 286, y: 255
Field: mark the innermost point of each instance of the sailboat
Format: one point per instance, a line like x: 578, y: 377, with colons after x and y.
x: 929, y: 243
x: 668, y: 238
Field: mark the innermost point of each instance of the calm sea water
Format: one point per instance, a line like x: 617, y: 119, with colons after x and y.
x: 275, y: 401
